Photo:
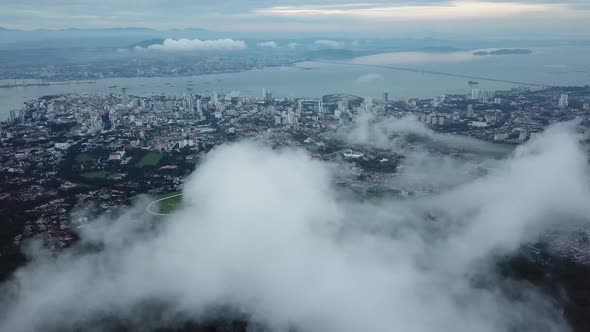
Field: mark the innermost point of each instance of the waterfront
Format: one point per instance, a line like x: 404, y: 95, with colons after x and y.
x: 313, y: 79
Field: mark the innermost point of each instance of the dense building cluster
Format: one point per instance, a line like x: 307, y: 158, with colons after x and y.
x: 129, y: 63
x: 63, y: 153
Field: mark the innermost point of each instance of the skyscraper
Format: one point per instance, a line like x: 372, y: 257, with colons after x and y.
x: 482, y: 95
x: 106, y: 121
x: 469, y: 111
x: 124, y: 98
x: 189, y: 100
x: 563, y: 100
x: 215, y: 99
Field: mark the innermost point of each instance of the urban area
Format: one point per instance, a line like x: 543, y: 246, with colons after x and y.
x: 60, y: 154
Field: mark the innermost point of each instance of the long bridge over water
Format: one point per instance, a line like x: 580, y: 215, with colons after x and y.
x: 433, y: 72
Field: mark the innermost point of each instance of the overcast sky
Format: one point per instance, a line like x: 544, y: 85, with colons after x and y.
x: 517, y: 18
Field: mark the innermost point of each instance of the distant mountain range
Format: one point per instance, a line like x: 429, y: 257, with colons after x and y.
x: 127, y: 29
x: 90, y: 38
x: 147, y: 43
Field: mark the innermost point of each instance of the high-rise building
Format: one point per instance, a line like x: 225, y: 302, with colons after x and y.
x: 291, y: 118
x: 563, y: 100
x: 482, y: 95
x: 385, y: 97
x: 190, y: 100
x: 215, y: 99
x: 95, y: 126
x: 106, y: 121
x: 320, y: 106
x: 469, y: 111
x: 199, y: 107
x: 13, y: 116
x: 124, y: 98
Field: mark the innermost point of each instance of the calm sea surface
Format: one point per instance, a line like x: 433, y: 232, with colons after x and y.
x: 549, y: 66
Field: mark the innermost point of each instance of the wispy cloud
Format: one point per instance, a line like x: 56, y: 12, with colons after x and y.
x: 436, y: 11
x: 475, y: 18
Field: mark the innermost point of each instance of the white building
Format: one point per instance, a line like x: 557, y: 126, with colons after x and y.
x: 563, y: 100
x: 482, y: 95
x: 352, y: 155
x: 62, y: 146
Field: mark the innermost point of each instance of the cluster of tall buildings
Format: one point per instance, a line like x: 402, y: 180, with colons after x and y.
x: 17, y: 116
x: 482, y: 95
x: 432, y: 119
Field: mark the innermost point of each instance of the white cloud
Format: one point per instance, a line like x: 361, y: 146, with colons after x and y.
x: 265, y: 231
x: 181, y: 45
x: 407, y: 12
x: 292, y: 45
x: 328, y: 43
x: 271, y: 44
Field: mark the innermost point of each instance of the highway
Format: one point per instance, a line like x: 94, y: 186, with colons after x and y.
x: 432, y: 72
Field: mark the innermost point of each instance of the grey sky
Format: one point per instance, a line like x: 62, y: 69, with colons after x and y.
x: 527, y: 18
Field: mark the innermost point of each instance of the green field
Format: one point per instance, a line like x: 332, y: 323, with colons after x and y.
x: 150, y: 159
x: 101, y: 175
x: 83, y: 157
x: 195, y: 161
x: 96, y: 175
x: 170, y: 202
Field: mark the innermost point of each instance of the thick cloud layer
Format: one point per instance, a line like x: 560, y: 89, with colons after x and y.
x: 392, y: 132
x: 265, y: 232
x: 184, y: 45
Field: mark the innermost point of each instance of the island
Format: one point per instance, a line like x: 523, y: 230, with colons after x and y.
x: 503, y: 51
